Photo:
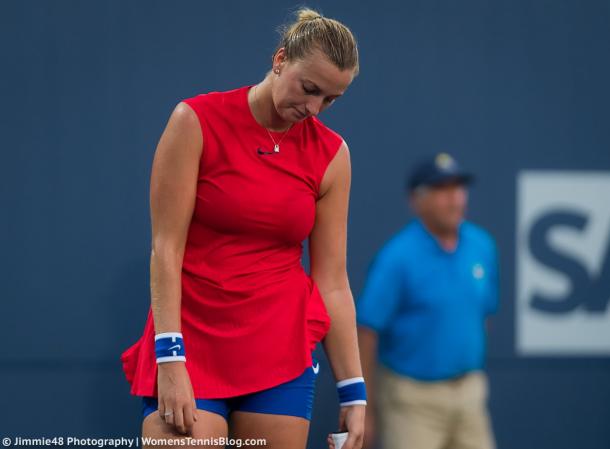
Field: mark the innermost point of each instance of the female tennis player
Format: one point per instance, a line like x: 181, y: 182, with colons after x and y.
x: 240, y: 179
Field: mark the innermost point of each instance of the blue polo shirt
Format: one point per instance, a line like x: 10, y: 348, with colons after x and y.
x: 428, y: 305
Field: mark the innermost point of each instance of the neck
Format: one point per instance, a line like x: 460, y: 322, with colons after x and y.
x: 263, y: 109
x: 446, y: 237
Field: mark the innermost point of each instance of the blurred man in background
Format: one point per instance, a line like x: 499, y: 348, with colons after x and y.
x: 421, y: 321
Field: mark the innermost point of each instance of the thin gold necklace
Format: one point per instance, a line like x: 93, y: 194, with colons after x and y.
x: 276, y: 145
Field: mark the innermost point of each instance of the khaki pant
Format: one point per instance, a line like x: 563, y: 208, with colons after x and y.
x: 433, y: 415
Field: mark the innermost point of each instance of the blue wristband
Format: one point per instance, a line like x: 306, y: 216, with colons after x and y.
x: 169, y: 347
x: 351, y: 391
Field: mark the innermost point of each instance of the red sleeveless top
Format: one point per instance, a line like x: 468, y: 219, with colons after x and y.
x: 250, y: 314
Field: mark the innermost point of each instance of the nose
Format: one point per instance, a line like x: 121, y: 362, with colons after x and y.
x: 314, y: 105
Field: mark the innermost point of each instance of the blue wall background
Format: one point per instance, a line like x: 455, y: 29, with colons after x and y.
x: 87, y: 88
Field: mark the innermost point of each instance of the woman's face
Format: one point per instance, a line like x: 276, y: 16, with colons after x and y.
x: 306, y: 87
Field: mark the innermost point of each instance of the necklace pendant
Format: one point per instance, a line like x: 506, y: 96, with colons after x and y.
x: 276, y: 148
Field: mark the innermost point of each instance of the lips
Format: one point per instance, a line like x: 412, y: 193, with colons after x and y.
x: 300, y: 114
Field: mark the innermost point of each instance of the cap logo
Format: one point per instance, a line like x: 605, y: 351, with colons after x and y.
x: 443, y: 161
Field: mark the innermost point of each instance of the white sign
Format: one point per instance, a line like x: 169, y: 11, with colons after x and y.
x: 563, y: 263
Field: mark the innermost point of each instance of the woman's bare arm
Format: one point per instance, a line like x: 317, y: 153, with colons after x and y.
x: 172, y: 200
x: 327, y: 249
x: 172, y: 197
x: 328, y: 252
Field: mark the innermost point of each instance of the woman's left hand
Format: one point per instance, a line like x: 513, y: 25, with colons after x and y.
x: 351, y: 419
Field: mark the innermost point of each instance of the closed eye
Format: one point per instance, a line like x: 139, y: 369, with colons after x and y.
x: 310, y: 91
x: 328, y: 100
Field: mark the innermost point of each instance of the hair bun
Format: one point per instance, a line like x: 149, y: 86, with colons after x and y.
x: 306, y: 34
x: 306, y: 14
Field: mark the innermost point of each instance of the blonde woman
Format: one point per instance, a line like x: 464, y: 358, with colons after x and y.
x: 240, y: 179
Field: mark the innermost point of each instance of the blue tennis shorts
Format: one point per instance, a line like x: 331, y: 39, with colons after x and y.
x: 293, y: 398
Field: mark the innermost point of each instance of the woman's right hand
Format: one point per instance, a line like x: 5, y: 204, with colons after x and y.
x: 177, y: 405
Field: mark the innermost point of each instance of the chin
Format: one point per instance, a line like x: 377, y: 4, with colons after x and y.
x: 287, y: 116
x: 451, y: 225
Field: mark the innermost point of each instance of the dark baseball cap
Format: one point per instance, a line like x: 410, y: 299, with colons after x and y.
x: 435, y: 170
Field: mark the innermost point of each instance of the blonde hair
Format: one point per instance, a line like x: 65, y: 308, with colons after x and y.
x: 312, y: 30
